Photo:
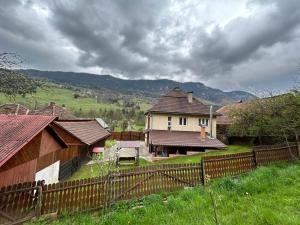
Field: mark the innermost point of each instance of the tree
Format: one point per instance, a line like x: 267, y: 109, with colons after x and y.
x: 124, y: 125
x: 273, y: 116
x: 13, y: 82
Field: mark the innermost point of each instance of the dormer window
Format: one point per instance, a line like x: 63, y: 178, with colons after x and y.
x: 182, y: 121
x: 203, y: 122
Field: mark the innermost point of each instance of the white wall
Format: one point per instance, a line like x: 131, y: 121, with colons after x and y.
x: 160, y: 122
x: 49, y: 174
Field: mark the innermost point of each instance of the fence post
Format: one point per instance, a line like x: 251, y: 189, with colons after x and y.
x: 39, y: 200
x: 255, y: 158
x: 203, y: 171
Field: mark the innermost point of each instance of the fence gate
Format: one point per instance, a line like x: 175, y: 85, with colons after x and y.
x: 143, y: 181
x: 19, y: 203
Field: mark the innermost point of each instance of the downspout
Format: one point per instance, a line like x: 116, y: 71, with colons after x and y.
x: 210, y: 120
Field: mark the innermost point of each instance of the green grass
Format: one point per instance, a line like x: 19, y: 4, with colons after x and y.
x: 87, y: 171
x: 268, y: 195
x: 93, y: 170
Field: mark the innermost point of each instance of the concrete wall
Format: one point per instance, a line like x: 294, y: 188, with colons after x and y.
x: 160, y: 122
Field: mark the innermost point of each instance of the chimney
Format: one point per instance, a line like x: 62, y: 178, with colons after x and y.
x: 202, y: 134
x: 190, y: 96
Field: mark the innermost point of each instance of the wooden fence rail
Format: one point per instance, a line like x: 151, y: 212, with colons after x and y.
x: 33, y: 199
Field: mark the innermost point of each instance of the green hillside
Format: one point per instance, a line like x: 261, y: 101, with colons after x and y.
x: 85, y: 105
x: 61, y: 96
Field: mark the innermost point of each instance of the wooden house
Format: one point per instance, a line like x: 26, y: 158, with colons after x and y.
x: 29, y: 149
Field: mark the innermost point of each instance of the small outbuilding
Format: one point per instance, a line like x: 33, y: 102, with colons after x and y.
x: 128, y: 151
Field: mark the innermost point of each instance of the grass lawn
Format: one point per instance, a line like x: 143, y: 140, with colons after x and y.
x: 268, y: 195
x: 93, y: 170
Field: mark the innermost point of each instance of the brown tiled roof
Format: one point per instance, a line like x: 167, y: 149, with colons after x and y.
x: 224, y: 111
x: 17, y: 131
x: 182, y: 139
x: 88, y: 132
x: 176, y: 102
x: 54, y: 110
x: 13, y: 109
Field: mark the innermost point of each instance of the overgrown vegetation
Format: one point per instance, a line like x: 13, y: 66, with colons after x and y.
x: 268, y: 195
x: 273, y: 116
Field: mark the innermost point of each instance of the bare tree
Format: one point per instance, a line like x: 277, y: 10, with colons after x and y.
x: 12, y: 81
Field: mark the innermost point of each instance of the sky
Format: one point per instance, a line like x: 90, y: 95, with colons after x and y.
x: 250, y: 45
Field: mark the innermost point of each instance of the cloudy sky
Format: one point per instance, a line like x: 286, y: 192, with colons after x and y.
x: 228, y: 44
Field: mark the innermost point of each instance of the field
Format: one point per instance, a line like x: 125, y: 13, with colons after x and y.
x: 93, y: 170
x: 268, y: 195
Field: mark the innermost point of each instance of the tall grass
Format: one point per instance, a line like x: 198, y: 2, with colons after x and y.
x: 269, y: 195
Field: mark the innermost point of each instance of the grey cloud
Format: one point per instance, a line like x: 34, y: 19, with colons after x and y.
x: 241, y: 39
x: 156, y: 38
x: 112, y: 38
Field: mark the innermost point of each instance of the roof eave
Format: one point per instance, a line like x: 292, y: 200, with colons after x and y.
x: 182, y: 113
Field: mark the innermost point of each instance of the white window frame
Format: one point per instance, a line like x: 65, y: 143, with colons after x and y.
x: 169, y: 122
x: 182, y: 120
x: 203, y: 122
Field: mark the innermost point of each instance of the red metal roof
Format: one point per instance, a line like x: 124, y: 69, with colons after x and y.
x: 182, y: 139
x: 17, y: 131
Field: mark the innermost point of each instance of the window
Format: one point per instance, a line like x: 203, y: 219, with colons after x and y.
x: 169, y: 122
x: 203, y: 122
x: 182, y: 121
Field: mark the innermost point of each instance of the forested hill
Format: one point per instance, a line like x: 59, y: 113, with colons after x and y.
x: 150, y: 88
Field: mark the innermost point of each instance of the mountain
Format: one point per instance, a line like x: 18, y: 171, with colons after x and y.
x: 147, y: 88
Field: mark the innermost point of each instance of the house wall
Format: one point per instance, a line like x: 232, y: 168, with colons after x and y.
x: 41, y: 152
x: 49, y: 150
x: 22, y: 173
x: 160, y: 122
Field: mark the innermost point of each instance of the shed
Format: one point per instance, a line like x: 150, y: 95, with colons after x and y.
x: 29, y: 149
x: 128, y: 151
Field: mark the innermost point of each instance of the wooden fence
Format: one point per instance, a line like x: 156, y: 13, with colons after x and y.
x: 86, y: 194
x: 128, y: 136
x: 25, y: 200
x: 21, y: 202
